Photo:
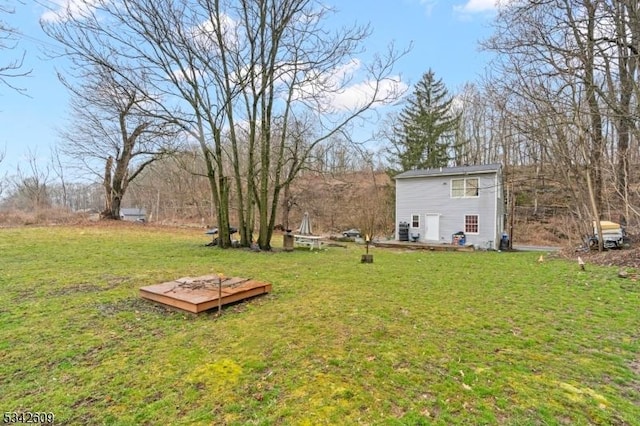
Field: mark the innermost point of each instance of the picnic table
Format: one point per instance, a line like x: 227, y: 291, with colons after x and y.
x: 310, y: 241
x: 214, y: 233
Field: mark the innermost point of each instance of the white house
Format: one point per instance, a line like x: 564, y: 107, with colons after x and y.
x: 433, y: 205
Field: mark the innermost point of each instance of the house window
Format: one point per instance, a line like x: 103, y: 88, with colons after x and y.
x: 415, y: 221
x: 471, y: 224
x: 468, y: 187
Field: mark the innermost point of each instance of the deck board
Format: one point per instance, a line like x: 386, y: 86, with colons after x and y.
x: 422, y: 246
x: 199, y: 294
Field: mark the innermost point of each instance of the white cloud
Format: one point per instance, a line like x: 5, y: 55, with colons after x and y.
x: 206, y: 36
x: 346, y: 88
x: 66, y: 8
x: 358, y: 94
x: 428, y: 5
x: 354, y: 95
x: 477, y: 6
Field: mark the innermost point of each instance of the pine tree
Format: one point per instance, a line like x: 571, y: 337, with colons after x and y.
x: 424, y: 134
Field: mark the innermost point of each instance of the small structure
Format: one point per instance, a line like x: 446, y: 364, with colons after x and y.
x: 214, y: 233
x: 199, y: 294
x: 612, y: 235
x: 287, y: 240
x: 305, y: 236
x: 133, y: 215
x: 435, y: 205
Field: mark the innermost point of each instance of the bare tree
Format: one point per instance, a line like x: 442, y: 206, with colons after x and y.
x: 59, y: 170
x: 3, y: 154
x: 9, y: 37
x: 569, y: 70
x: 30, y: 185
x: 112, y: 128
x: 175, y: 189
x: 619, y: 43
x: 478, y: 138
x: 241, y: 77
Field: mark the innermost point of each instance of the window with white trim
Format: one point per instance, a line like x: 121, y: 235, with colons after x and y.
x: 415, y: 221
x: 471, y: 224
x: 463, y: 188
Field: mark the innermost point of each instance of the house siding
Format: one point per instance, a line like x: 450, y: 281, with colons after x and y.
x: 432, y: 195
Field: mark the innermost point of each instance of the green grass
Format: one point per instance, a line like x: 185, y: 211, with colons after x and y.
x: 414, y: 338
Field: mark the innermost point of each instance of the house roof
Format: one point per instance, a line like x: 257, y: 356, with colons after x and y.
x: 450, y: 171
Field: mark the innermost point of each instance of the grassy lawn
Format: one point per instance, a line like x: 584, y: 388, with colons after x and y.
x: 414, y: 338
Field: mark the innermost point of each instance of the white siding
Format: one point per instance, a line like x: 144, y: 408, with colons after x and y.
x: 432, y: 195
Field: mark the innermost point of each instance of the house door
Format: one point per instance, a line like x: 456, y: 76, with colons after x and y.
x: 432, y: 227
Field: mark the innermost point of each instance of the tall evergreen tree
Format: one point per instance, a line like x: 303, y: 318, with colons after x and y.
x: 424, y: 134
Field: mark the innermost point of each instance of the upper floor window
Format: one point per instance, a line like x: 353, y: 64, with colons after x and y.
x: 467, y: 187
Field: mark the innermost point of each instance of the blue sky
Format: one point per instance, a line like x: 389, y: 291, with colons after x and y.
x: 444, y: 35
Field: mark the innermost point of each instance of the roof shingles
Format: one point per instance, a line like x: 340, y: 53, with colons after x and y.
x: 450, y: 171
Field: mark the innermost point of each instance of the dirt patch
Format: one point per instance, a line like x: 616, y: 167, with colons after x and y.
x: 75, y: 289
x: 132, y: 305
x: 112, y: 282
x: 626, y: 259
x: 635, y: 367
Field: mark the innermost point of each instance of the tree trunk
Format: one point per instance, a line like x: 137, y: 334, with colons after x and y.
x: 595, y: 211
x: 597, y: 141
x: 224, y: 236
x: 627, y: 66
x: 286, y: 206
x: 108, y: 191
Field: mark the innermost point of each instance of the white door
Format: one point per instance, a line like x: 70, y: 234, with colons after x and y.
x: 432, y: 225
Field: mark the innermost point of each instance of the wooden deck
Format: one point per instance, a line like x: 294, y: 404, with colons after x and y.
x: 201, y: 293
x: 408, y: 245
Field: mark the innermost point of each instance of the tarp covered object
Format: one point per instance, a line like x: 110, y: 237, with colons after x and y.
x: 305, y: 226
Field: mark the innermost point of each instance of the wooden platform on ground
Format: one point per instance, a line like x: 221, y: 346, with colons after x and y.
x: 201, y: 293
x: 421, y: 246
